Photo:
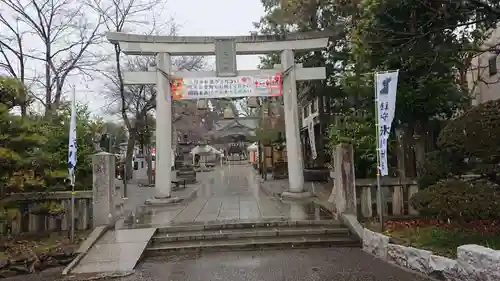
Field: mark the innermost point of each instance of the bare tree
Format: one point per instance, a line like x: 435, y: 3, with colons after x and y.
x: 137, y: 102
x: 56, y: 33
x: 119, y: 15
x: 12, y: 52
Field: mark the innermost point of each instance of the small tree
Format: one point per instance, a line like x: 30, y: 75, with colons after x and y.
x: 359, y: 129
x: 19, y: 141
x: 473, y: 141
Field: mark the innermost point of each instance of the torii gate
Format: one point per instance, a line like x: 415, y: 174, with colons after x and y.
x: 225, y: 49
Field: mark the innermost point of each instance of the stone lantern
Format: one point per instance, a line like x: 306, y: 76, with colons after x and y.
x: 202, y: 104
x: 228, y: 113
x: 252, y: 102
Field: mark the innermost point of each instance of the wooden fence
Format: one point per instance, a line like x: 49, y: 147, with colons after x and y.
x: 395, y: 197
x: 24, y: 219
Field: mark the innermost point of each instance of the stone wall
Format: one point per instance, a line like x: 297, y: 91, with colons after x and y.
x: 473, y: 263
x: 25, y: 218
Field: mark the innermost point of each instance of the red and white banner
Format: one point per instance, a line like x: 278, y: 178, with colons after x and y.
x: 227, y: 87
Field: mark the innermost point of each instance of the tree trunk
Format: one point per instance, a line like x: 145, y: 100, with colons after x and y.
x: 420, y: 136
x: 48, y: 82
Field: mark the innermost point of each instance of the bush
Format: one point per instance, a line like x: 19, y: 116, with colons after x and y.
x: 439, y: 165
x: 459, y: 201
x: 473, y: 141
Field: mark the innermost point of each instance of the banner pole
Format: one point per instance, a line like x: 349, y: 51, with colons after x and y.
x: 72, y: 233
x: 377, y: 129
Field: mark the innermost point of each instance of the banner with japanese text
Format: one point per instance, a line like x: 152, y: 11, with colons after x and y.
x: 386, y: 85
x: 226, y: 87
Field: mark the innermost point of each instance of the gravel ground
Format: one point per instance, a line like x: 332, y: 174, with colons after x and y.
x: 332, y: 264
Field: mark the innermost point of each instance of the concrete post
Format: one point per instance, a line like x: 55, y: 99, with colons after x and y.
x: 163, y: 181
x: 293, y: 148
x: 103, y: 189
x: 344, y: 188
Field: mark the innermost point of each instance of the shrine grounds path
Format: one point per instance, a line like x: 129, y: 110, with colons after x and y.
x: 327, y: 264
x: 230, y: 193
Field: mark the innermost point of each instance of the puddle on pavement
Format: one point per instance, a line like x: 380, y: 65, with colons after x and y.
x: 147, y: 216
x: 316, y: 211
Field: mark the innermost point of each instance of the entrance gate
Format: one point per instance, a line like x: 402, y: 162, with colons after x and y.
x: 225, y: 49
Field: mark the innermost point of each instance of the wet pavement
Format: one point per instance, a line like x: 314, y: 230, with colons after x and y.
x: 333, y: 264
x: 229, y: 193
x: 232, y: 193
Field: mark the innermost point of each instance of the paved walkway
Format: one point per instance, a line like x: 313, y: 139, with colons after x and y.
x: 336, y: 264
x: 229, y: 193
x: 226, y: 194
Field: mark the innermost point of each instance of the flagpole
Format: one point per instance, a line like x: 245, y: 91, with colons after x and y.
x: 72, y: 174
x: 377, y: 126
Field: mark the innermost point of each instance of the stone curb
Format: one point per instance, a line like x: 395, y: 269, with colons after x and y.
x: 97, y: 233
x: 98, y: 276
x: 354, y: 226
x: 172, y: 200
x: 473, y: 262
x: 286, y: 195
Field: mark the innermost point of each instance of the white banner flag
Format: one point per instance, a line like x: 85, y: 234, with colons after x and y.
x: 72, y: 141
x: 386, y: 85
x: 312, y: 137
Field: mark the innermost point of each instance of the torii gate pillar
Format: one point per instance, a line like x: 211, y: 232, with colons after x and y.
x: 163, y: 169
x: 293, y: 147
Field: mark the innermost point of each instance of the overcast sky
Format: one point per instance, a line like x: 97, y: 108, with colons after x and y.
x: 205, y: 18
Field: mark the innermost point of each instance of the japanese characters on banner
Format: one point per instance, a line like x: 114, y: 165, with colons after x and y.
x: 312, y: 137
x: 226, y: 87
x: 386, y: 85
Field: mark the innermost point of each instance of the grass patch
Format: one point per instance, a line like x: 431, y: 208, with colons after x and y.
x: 443, y: 238
x: 442, y: 241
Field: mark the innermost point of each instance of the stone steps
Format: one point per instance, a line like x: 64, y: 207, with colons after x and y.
x: 250, y: 236
x: 216, y: 225
x: 249, y: 233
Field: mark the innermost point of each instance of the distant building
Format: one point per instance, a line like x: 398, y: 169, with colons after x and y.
x: 123, y: 149
x: 484, y: 76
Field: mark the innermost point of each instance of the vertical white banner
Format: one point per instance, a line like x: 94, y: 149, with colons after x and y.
x: 72, y: 149
x: 312, y: 137
x: 386, y: 85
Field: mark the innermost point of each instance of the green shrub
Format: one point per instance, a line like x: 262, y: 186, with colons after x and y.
x: 358, y: 128
x: 473, y: 141
x: 439, y: 165
x: 458, y: 201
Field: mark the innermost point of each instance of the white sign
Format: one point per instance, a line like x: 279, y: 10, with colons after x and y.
x: 226, y: 87
x: 312, y: 137
x: 386, y: 85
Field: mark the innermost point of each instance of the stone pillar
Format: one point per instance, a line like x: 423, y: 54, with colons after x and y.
x: 174, y: 141
x: 366, y: 201
x: 163, y: 162
x: 344, y: 189
x: 293, y: 147
x: 397, y: 194
x: 103, y: 189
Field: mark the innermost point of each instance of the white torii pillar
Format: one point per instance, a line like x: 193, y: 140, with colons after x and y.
x: 293, y: 149
x: 163, y: 169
